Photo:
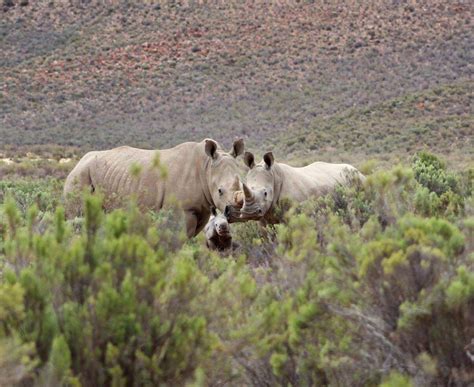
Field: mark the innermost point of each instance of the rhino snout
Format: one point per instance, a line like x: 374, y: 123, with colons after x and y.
x: 251, y: 212
x: 222, y: 229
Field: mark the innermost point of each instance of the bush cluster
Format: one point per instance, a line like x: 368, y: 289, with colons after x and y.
x: 360, y: 287
x: 43, y: 193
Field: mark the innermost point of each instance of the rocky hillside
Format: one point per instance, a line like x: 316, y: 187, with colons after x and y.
x: 331, y: 80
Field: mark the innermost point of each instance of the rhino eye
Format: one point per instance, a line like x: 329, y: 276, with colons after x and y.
x: 221, y: 191
x: 265, y: 194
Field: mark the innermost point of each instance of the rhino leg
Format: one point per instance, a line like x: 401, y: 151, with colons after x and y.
x: 191, y: 223
x: 76, y: 182
x: 211, y: 245
x: 195, y: 222
x: 202, y: 220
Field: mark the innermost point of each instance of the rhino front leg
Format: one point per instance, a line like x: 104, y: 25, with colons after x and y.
x: 195, y: 222
x: 211, y: 245
x: 202, y: 219
x: 191, y: 223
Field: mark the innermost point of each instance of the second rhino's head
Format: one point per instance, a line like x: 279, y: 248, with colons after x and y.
x: 259, y: 190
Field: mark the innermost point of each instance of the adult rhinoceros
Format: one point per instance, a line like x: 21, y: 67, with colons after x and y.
x: 198, y: 176
x: 268, y: 182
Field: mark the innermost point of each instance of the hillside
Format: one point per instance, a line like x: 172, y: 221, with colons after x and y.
x: 311, y: 80
x: 367, y: 283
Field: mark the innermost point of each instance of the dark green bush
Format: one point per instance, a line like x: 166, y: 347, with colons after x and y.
x: 440, y: 192
x: 431, y: 173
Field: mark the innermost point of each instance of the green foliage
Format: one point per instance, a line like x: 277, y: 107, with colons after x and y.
x: 44, y: 193
x: 440, y: 191
x: 431, y: 172
x: 396, y: 379
x: 461, y: 289
x: 17, y: 360
x: 105, y: 293
x: 60, y: 357
x: 369, y: 285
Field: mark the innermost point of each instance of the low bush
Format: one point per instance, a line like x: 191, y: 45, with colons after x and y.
x: 368, y: 285
x: 431, y: 172
x: 44, y: 193
x: 120, y: 302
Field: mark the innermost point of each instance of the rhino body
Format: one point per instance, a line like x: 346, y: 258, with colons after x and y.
x: 268, y: 182
x: 197, y: 176
x: 217, y: 230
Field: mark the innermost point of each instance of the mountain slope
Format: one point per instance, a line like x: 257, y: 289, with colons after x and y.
x: 300, y: 77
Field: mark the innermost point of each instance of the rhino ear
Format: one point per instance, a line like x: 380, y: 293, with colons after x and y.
x: 249, y: 159
x: 237, y: 148
x: 213, y: 211
x: 227, y: 212
x: 269, y: 159
x: 211, y: 148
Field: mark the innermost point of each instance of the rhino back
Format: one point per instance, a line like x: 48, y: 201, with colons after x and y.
x: 328, y: 173
x: 111, y: 172
x: 312, y: 180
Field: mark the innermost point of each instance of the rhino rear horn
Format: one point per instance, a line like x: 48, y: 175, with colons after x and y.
x: 236, y: 183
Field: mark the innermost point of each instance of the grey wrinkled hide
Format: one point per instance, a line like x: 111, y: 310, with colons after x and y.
x: 269, y: 182
x: 196, y: 176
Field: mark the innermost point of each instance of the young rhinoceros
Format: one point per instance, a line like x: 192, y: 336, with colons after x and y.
x: 217, y: 230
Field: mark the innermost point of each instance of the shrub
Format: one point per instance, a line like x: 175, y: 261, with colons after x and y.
x: 440, y: 192
x: 118, y: 303
x: 369, y: 284
x: 431, y: 173
x: 44, y: 193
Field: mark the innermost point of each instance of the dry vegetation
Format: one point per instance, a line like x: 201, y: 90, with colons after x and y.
x: 382, y: 79
x: 370, y: 285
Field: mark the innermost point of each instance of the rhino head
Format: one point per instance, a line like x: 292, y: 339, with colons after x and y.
x: 218, y: 224
x: 259, y: 191
x: 222, y: 173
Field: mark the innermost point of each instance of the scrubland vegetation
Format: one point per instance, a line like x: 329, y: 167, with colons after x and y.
x: 333, y: 81
x: 373, y: 284
x: 370, y: 285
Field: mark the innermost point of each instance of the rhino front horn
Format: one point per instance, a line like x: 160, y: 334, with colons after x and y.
x: 247, y: 192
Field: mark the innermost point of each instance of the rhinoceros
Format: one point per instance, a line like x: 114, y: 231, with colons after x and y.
x: 217, y: 230
x: 268, y: 182
x: 197, y: 176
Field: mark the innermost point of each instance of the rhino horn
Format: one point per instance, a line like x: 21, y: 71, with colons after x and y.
x: 236, y: 184
x: 238, y: 198
x: 249, y: 196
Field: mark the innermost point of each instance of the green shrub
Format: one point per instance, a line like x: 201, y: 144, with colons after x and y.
x: 371, y: 284
x: 105, y: 305
x: 431, y: 173
x: 44, y: 193
x: 396, y: 379
x: 441, y: 191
